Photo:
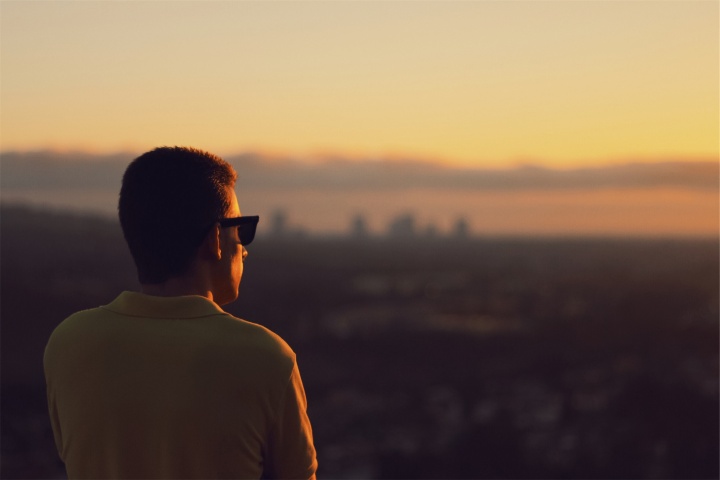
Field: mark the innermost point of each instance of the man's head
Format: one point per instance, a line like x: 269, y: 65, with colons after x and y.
x: 170, y: 199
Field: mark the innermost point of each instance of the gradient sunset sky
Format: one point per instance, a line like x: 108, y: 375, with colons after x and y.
x: 474, y: 83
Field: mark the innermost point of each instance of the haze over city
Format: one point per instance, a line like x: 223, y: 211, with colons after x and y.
x: 677, y: 199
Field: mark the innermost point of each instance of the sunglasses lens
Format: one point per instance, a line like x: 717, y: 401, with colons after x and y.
x: 246, y: 233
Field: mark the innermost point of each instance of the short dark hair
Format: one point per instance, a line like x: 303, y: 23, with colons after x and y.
x: 169, y: 198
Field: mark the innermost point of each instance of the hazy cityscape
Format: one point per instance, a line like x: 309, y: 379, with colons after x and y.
x: 402, y: 227
x: 340, y: 196
x: 481, y: 358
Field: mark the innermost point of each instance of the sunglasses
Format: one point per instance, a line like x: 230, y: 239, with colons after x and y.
x: 246, y: 227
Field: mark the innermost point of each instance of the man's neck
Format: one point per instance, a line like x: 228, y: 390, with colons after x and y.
x: 176, y: 287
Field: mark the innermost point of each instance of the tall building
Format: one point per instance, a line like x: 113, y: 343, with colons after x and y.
x: 461, y: 229
x: 403, y: 226
x: 359, y: 228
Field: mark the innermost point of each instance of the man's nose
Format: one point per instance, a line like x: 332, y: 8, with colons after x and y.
x: 244, y: 253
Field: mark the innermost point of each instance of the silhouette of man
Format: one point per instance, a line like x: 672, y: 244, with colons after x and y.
x: 163, y: 383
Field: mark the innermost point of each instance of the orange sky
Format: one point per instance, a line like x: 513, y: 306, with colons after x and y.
x: 481, y: 83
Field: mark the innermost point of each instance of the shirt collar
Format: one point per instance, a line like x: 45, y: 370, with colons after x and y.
x: 142, y: 305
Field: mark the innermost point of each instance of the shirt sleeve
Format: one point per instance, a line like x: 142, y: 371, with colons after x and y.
x: 291, y: 452
x: 52, y: 406
x: 55, y: 423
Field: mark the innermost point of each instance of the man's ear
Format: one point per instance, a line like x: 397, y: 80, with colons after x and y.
x: 210, y: 247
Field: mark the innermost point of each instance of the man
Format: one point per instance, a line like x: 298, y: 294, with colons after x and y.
x: 163, y: 383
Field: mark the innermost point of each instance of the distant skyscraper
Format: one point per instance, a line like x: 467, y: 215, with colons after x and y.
x: 359, y: 228
x: 461, y: 228
x: 278, y: 223
x: 403, y: 226
x: 431, y: 231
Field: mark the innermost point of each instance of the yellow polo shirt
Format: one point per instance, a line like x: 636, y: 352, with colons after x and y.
x: 174, y: 387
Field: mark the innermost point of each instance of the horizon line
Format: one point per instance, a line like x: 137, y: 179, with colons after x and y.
x: 324, y: 158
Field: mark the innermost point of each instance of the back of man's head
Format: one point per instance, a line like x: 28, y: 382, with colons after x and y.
x: 169, y: 198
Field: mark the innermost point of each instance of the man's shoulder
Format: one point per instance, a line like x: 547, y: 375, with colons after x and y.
x: 70, y: 334
x: 79, y: 318
x: 229, y: 340
x: 262, y: 338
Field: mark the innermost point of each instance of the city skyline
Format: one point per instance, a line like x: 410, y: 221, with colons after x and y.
x: 676, y: 199
x: 403, y: 226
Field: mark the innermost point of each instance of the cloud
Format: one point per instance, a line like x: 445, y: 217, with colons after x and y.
x: 66, y: 170
x: 73, y: 170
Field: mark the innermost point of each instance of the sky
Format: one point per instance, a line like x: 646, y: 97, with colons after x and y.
x: 480, y: 84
